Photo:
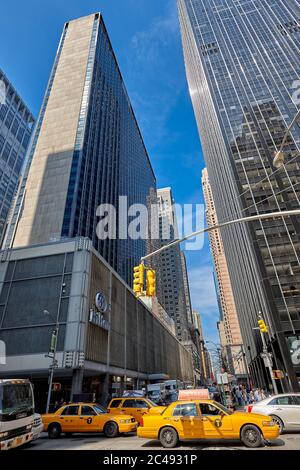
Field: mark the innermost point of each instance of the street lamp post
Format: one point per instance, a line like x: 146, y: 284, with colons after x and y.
x: 52, y: 354
x: 253, y: 218
x: 272, y: 215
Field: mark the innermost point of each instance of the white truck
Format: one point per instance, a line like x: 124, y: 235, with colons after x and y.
x: 16, y: 413
x: 157, y: 392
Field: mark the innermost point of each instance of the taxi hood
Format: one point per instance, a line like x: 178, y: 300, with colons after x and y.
x: 249, y: 416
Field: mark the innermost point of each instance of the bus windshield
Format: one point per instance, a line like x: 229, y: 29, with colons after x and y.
x: 15, y: 398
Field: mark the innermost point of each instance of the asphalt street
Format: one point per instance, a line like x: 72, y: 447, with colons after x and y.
x: 132, y: 442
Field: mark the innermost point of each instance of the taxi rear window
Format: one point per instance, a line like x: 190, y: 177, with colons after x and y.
x: 115, y: 403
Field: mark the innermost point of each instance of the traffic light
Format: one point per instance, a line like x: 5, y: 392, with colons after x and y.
x: 138, y: 278
x: 151, y: 283
x: 262, y: 326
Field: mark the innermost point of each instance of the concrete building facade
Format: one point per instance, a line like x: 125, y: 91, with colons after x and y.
x: 87, y: 152
x: 228, y: 326
x: 120, y: 341
x: 173, y: 292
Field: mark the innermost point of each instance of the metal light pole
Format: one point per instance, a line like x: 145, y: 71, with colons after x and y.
x: 267, y: 356
x: 272, y: 215
x: 52, y: 353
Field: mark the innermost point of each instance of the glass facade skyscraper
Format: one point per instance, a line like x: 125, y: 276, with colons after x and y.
x: 16, y: 125
x: 87, y: 151
x: 243, y: 68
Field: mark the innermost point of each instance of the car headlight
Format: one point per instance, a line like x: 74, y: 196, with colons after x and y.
x: 125, y: 421
x: 3, y: 434
x: 29, y: 426
x: 268, y: 423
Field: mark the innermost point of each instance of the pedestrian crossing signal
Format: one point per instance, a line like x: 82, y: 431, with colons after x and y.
x: 278, y: 374
x: 56, y: 387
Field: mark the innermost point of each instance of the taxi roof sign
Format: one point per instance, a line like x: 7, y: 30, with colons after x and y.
x: 194, y: 394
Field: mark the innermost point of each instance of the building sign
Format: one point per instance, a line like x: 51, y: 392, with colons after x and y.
x: 101, y: 302
x: 222, y: 379
x: 98, y: 319
x: 294, y: 348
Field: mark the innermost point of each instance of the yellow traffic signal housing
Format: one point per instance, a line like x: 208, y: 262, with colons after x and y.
x: 138, y: 278
x: 262, y: 326
x: 151, y: 283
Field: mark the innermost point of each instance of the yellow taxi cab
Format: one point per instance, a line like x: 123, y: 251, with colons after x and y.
x: 86, y: 417
x: 136, y: 407
x: 206, y: 419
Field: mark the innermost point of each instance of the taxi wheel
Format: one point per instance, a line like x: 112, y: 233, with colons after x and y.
x: 111, y: 429
x: 54, y: 431
x: 168, y: 437
x: 251, y: 436
x: 278, y: 422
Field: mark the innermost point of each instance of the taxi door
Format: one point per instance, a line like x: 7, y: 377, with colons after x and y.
x: 187, y: 420
x: 69, y: 418
x: 89, y: 420
x: 216, y: 425
x: 135, y: 408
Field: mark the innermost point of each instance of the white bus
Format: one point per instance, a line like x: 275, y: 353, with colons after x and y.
x: 16, y: 413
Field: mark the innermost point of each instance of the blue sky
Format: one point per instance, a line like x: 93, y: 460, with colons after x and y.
x: 146, y: 38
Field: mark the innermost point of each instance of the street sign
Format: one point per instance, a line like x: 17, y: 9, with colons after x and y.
x: 222, y: 379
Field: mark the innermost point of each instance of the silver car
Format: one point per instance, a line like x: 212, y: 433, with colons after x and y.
x: 284, y: 409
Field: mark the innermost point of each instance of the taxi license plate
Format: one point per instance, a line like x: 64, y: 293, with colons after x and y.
x: 19, y: 440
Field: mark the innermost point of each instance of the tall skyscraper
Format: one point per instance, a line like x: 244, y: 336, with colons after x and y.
x: 87, y: 150
x: 186, y: 287
x: 242, y: 65
x: 173, y: 294
x: 232, y: 332
x: 228, y: 325
x: 16, y: 125
x: 200, y: 345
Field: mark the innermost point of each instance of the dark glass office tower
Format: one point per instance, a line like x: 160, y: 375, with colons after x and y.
x: 242, y: 64
x: 16, y: 124
x: 87, y: 151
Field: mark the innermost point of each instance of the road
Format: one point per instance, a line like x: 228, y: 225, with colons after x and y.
x: 132, y: 442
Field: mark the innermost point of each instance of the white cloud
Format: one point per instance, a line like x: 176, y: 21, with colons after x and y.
x: 161, y: 33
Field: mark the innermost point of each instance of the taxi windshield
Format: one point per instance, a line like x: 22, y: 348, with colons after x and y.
x: 99, y: 409
x: 223, y: 408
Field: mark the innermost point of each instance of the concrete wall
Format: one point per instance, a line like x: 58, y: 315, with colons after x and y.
x: 47, y: 184
x: 64, y: 278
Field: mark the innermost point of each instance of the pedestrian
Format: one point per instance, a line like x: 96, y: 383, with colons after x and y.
x: 244, y: 396
x: 61, y: 402
x: 262, y: 394
x: 238, y: 394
